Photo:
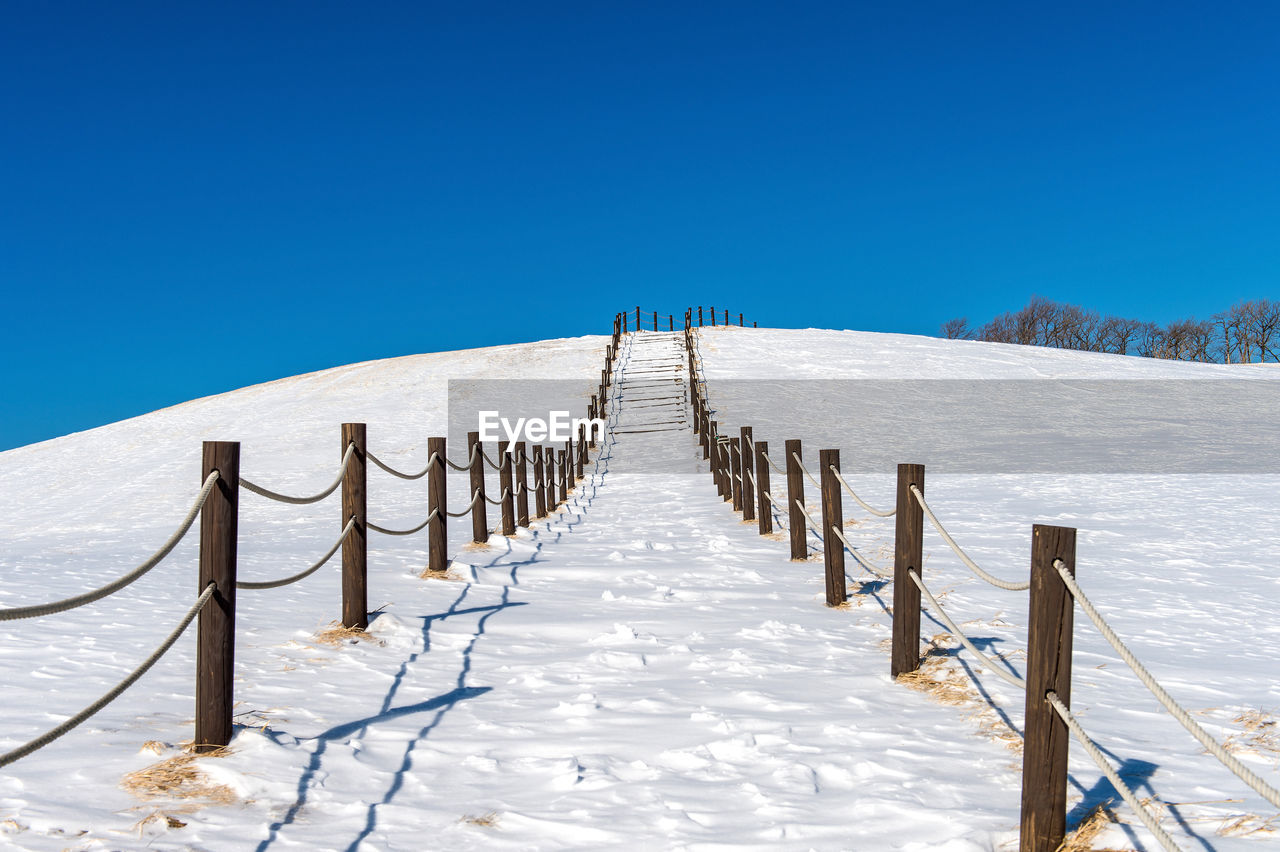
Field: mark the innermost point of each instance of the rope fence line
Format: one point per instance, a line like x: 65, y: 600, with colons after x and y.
x: 288, y: 581
x: 467, y: 511
x: 877, y: 512
x: 111, y: 588
x: 1007, y: 585
x: 959, y: 634
x: 303, y: 501
x: 910, y: 513
x: 1166, y: 700
x: 114, y: 693
x: 1148, y: 819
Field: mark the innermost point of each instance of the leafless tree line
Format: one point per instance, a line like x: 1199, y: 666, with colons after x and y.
x: 1245, y: 333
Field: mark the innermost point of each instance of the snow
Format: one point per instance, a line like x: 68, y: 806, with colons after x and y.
x: 641, y: 669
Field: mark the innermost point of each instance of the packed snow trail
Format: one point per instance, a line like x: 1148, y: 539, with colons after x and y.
x: 631, y: 672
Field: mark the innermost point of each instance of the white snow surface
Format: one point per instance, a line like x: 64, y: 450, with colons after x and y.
x: 640, y: 670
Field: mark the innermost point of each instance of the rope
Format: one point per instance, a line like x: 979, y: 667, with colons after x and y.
x: 275, y: 584
x: 959, y: 634
x: 386, y: 531
x: 861, y: 560
x: 116, y: 585
x: 964, y: 557
x: 772, y: 465
x: 779, y: 507
x: 49, y: 736
x: 380, y: 463
x: 302, y: 501
x: 815, y: 482
x: 493, y: 464
x: 470, y: 460
x: 1114, y: 777
x: 501, y: 497
x: 1148, y: 680
x: 877, y: 512
x: 470, y: 506
x: 813, y: 525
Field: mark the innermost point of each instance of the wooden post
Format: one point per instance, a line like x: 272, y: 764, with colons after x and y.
x: 704, y: 437
x: 726, y: 468
x: 637, y: 317
x: 624, y: 323
x: 746, y: 452
x: 355, y: 596
x: 832, y: 517
x: 480, y: 511
x: 795, y: 494
x: 506, y: 488
x: 1049, y: 629
x: 582, y: 448
x: 540, y: 497
x: 595, y: 414
x: 714, y: 439
x: 908, y: 554
x: 655, y: 320
x: 699, y: 316
x: 671, y: 322
x: 216, y: 636
x: 713, y: 316
x: 740, y: 323
x: 726, y: 316
x: 562, y: 465
x: 438, y: 502
x: 733, y: 450
x: 522, y: 482
x: 762, y: 485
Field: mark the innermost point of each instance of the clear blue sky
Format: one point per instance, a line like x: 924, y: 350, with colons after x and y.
x: 194, y: 198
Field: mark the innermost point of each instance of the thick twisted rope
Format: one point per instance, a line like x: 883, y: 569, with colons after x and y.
x: 877, y: 512
x: 1007, y: 585
x: 772, y: 465
x: 858, y: 557
x: 391, y: 470
x: 1114, y: 777
x: 275, y: 584
x: 385, y: 531
x: 470, y: 506
x: 813, y: 525
x: 1148, y: 680
x: 467, y: 465
x: 49, y: 736
x: 493, y: 464
x: 116, y: 585
x: 302, y: 501
x: 501, y: 497
x: 815, y: 482
x: 959, y: 634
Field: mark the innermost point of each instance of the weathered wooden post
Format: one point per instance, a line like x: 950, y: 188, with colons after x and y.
x: 699, y: 316
x: 355, y: 596
x: 539, y: 482
x: 671, y: 322
x: 726, y: 468
x: 562, y: 465
x: 595, y: 414
x: 215, y: 631
x: 795, y: 501
x: 740, y: 323
x: 732, y: 450
x: 655, y: 320
x: 522, y: 486
x: 704, y: 436
x: 832, y: 518
x: 714, y: 439
x: 713, y: 316
x: 726, y: 316
x: 437, y: 503
x: 755, y: 324
x: 746, y: 451
x: 1049, y: 631
x: 582, y: 448
x: 624, y: 323
x: 506, y: 488
x: 479, y: 509
x: 908, y: 555
x: 637, y: 317
x: 762, y: 487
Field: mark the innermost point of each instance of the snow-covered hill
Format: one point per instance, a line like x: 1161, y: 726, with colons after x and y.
x: 639, y: 671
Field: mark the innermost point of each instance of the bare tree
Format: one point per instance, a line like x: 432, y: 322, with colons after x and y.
x: 958, y: 329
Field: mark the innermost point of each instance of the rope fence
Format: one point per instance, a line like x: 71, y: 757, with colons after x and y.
x: 1052, y: 588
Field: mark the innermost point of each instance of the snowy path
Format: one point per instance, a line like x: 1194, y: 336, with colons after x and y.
x: 638, y: 671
